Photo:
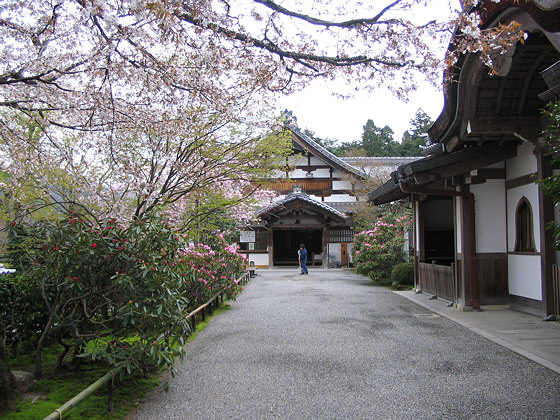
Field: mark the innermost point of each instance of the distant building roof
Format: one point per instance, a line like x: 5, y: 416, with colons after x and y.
x: 320, y: 151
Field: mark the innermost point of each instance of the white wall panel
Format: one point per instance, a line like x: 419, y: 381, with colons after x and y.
x: 458, y: 227
x: 524, y: 163
x: 525, y: 276
x: 490, y: 210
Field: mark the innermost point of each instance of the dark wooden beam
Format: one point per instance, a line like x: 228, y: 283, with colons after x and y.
x: 528, y: 127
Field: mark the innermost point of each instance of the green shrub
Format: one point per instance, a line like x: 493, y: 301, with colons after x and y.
x: 378, y: 249
x: 403, y: 274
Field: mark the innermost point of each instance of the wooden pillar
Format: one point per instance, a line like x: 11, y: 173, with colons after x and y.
x: 546, y: 214
x: 325, y: 246
x: 270, y: 247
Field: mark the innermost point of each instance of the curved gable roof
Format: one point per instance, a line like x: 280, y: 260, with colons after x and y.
x: 296, y: 197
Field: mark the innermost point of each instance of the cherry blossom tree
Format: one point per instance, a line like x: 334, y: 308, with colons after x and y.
x: 115, y: 97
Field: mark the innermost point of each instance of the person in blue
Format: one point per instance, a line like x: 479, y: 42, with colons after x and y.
x: 302, y: 255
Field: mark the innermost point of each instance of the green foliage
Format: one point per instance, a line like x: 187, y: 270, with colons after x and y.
x: 551, y: 185
x: 378, y: 249
x: 379, y: 141
x: 22, y: 312
x: 121, y: 293
x: 413, y: 139
x: 22, y: 240
x: 403, y: 273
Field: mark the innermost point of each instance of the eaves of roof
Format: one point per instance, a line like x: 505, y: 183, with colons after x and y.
x: 442, y: 166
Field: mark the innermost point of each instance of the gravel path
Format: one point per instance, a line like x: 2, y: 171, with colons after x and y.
x: 332, y: 346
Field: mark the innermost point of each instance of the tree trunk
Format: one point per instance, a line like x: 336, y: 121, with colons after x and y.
x: 38, y: 362
x: 7, y: 382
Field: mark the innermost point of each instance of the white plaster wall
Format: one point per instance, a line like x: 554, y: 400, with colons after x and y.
x: 316, y: 161
x: 529, y: 191
x: 321, y: 173
x: 490, y: 210
x: 524, y: 163
x: 458, y: 226
x: 349, y: 250
x: 341, y: 185
x: 417, y: 223
x: 259, y: 259
x: 525, y: 276
x: 340, y: 198
x: 335, y: 250
x: 298, y: 173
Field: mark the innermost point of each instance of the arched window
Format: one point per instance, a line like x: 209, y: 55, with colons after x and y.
x: 524, y: 239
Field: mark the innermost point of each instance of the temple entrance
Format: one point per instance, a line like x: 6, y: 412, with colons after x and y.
x: 286, y: 245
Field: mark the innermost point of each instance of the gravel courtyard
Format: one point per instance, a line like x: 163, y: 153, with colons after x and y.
x: 331, y: 345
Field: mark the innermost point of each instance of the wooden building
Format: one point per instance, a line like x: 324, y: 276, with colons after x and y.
x: 315, y: 207
x: 480, y: 218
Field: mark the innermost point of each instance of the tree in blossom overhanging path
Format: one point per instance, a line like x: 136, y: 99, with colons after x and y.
x: 129, y: 99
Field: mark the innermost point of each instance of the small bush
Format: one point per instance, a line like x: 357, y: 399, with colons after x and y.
x: 403, y: 274
x: 378, y: 249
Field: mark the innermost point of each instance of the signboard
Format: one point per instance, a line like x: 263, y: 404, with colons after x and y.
x: 247, y: 236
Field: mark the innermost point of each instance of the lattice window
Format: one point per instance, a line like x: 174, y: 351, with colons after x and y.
x: 338, y: 235
x: 524, y: 237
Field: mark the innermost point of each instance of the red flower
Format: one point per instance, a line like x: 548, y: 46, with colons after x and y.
x: 94, y: 245
x: 121, y: 247
x: 56, y: 248
x: 75, y: 278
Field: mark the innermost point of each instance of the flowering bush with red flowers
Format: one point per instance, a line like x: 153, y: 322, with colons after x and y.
x: 120, y: 292
x: 209, y: 270
x: 378, y: 249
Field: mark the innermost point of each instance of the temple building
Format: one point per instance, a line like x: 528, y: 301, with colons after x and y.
x: 316, y: 203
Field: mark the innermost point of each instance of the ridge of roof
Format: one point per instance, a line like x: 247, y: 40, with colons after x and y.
x: 292, y: 125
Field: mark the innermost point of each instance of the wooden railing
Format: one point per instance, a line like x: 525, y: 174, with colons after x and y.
x: 437, y: 279
x: 109, y: 377
x: 306, y: 185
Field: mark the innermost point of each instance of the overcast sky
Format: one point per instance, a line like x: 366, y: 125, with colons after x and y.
x: 343, y: 119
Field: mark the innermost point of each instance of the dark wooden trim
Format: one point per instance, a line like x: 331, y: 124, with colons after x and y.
x: 270, y: 248
x: 546, y: 214
x: 484, y: 174
x: 492, y: 269
x: 523, y: 253
x: 519, y: 181
x: 326, y: 178
x: 311, y: 168
x: 527, y: 305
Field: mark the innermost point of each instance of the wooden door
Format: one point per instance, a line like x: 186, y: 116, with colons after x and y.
x: 344, y: 254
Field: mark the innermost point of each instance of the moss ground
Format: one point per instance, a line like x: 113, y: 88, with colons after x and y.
x: 50, y: 393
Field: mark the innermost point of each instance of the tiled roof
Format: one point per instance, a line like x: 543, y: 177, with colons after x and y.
x: 320, y: 150
x: 300, y: 195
